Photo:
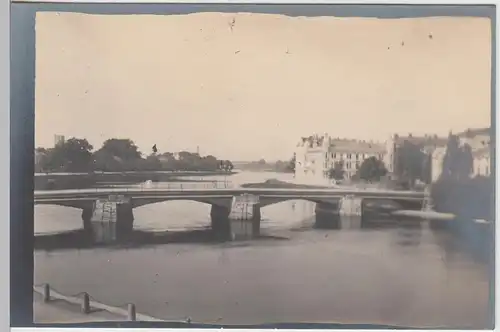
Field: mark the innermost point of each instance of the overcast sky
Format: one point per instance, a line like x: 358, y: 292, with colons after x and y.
x: 252, y: 91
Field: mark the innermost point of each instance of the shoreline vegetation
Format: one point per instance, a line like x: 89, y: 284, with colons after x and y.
x: 118, y: 160
x: 77, y: 155
x: 264, y: 166
x: 54, y: 181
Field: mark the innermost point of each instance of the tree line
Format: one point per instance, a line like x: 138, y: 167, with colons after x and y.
x: 285, y: 166
x: 120, y: 155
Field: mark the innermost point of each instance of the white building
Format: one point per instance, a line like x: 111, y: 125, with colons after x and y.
x: 316, y: 155
x: 310, y: 159
x: 482, y: 162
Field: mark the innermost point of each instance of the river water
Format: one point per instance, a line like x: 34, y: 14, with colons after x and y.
x: 401, y: 275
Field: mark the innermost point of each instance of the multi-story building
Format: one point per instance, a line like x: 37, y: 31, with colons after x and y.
x: 59, y: 139
x: 477, y: 139
x: 310, y: 159
x: 316, y: 155
x: 481, y: 162
x: 427, y: 143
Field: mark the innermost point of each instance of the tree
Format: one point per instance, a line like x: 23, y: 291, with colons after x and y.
x: 118, y: 155
x: 458, y: 160
x: 208, y: 163
x: 262, y: 162
x: 371, y: 169
x: 226, y: 165
x: 410, y: 162
x: 74, y: 155
x: 291, y: 163
x: 337, y: 172
x: 125, y: 149
x: 151, y: 163
x: 466, y: 164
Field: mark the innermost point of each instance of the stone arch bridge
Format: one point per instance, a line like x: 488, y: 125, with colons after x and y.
x: 118, y: 203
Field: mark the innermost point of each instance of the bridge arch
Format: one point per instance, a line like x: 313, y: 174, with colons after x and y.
x: 67, y: 203
x: 223, y: 202
x: 267, y: 201
x: 55, y: 218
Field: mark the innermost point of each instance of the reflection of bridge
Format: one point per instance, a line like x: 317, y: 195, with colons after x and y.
x: 119, y: 202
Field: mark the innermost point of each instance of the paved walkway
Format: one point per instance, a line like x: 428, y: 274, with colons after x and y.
x: 60, y: 311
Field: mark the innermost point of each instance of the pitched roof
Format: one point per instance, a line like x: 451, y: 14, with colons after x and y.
x: 354, y: 146
x: 469, y: 133
x: 423, y: 140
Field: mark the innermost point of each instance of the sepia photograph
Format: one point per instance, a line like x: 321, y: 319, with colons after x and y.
x: 240, y: 168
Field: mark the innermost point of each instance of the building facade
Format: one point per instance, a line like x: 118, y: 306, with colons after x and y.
x: 429, y: 144
x: 481, y: 162
x: 316, y: 155
x: 58, y: 139
x: 479, y: 141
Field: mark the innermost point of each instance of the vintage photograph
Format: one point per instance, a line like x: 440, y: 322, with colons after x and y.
x: 239, y: 169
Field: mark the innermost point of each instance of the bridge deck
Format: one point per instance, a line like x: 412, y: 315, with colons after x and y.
x: 132, y: 190
x: 202, y: 194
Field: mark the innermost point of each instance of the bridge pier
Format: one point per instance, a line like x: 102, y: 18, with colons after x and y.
x: 327, y: 215
x: 110, y: 221
x: 221, y: 225
x: 245, y: 217
x: 87, y: 213
x: 256, y: 218
x: 410, y: 204
x: 371, y: 211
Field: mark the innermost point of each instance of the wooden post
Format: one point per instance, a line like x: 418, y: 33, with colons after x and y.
x: 86, y: 303
x: 131, y: 312
x: 46, y: 293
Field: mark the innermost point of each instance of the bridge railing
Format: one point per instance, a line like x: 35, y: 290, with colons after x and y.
x: 188, y: 185
x: 174, y: 186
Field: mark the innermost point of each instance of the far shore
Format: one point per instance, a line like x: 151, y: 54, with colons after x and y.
x: 56, y: 181
x: 177, y: 173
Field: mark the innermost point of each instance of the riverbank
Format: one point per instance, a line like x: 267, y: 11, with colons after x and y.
x: 54, y: 181
x: 60, y: 311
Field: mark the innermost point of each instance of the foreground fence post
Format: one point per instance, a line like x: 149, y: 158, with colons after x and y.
x: 131, y: 312
x: 46, y: 293
x: 86, y: 303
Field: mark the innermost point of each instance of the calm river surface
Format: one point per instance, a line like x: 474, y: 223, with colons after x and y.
x: 410, y: 276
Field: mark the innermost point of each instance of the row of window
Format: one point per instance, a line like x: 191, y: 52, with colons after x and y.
x: 485, y: 173
x: 347, y: 165
x: 357, y: 156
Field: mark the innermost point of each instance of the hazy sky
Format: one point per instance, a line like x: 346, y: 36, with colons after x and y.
x: 189, y: 80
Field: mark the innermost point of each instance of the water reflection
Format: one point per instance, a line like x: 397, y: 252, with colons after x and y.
x: 370, y: 268
x: 279, y: 221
